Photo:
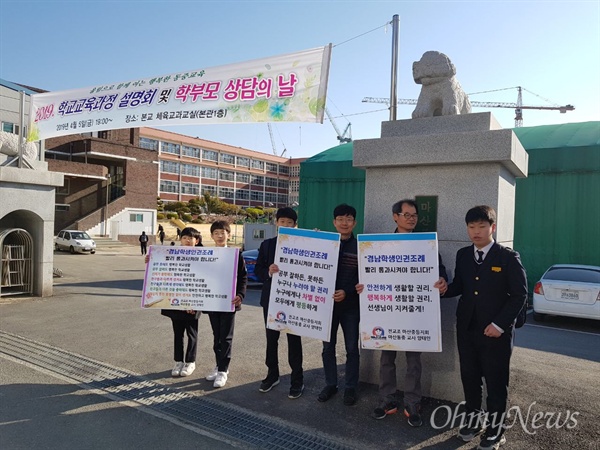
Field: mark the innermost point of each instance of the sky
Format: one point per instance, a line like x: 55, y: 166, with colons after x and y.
x: 550, y: 48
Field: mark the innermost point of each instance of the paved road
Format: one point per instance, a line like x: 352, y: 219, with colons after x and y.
x: 93, y: 327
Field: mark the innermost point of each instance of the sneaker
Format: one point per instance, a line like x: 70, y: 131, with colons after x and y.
x: 188, y: 369
x: 413, y: 413
x: 266, y: 385
x: 221, y: 379
x: 177, y: 369
x: 467, y: 434
x: 296, y: 391
x: 350, y: 397
x: 212, y: 375
x: 491, y: 442
x: 385, y: 408
x: 327, y: 393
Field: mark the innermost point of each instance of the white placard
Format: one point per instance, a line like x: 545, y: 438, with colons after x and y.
x: 199, y: 278
x: 399, y: 307
x: 301, y: 300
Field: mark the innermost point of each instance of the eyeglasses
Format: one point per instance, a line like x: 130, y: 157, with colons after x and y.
x: 344, y: 219
x: 408, y: 215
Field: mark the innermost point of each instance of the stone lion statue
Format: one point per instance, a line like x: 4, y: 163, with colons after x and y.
x: 441, y: 94
x: 9, y: 145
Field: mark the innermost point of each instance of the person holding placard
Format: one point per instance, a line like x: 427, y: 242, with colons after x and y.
x: 264, y: 269
x: 222, y: 322
x: 492, y: 284
x: 345, y: 310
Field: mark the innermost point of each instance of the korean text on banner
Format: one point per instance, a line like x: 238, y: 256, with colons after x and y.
x: 198, y: 278
x: 285, y: 88
x: 399, y: 307
x: 301, y: 299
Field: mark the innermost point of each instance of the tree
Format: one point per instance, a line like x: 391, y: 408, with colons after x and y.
x: 210, y: 204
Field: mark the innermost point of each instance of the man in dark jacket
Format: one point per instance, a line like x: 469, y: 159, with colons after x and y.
x: 264, y: 269
x: 346, y: 310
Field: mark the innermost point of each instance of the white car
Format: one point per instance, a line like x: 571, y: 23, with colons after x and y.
x: 75, y: 241
x: 568, y: 290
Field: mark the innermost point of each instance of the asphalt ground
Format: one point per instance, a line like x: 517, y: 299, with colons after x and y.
x: 95, y: 313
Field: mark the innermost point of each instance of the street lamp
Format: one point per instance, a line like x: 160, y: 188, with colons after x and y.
x: 107, y: 200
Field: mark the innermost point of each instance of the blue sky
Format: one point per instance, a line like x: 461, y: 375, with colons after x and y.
x: 550, y: 48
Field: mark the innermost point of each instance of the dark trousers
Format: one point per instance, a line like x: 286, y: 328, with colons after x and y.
x: 143, y: 246
x: 348, y: 319
x: 180, y: 327
x: 483, y: 357
x: 294, y: 354
x: 222, y: 324
x: 412, y: 378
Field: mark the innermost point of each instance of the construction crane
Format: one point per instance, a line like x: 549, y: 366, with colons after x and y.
x: 273, y: 142
x: 344, y: 137
x: 518, y: 106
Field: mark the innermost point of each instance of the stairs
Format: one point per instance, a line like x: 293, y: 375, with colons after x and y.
x: 106, y: 242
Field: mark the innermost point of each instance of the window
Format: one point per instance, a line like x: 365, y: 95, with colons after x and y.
x: 9, y: 127
x: 212, y: 190
x: 243, y: 162
x: 283, y: 184
x: 227, y: 158
x: 272, y: 182
x: 256, y: 196
x: 242, y: 178
x: 209, y: 172
x: 169, y: 186
x: 226, y: 192
x: 282, y: 198
x: 210, y: 155
x: 258, y: 180
x: 284, y: 170
x: 64, y: 190
x: 573, y: 274
x: 147, y: 143
x: 190, y: 188
x: 193, y: 152
x: 190, y: 169
x: 169, y: 147
x: 169, y: 167
x: 242, y: 194
x: 271, y: 167
x: 295, y: 171
x: 61, y: 207
x: 256, y: 164
x: 226, y: 175
x: 258, y: 234
x: 270, y: 197
x: 294, y: 186
x: 136, y: 217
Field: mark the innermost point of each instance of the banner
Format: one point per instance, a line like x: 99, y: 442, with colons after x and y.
x: 200, y: 278
x: 285, y: 88
x: 399, y: 307
x: 301, y: 298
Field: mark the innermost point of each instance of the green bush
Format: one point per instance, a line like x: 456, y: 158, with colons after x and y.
x: 197, y: 220
x: 187, y: 217
x: 172, y: 215
x: 160, y: 216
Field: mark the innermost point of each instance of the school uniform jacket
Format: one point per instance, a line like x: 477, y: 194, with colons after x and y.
x: 493, y: 291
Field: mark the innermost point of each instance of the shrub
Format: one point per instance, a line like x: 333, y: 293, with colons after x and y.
x: 160, y: 216
x: 186, y: 217
x: 172, y: 215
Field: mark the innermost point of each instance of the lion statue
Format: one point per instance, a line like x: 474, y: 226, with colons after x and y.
x: 441, y: 94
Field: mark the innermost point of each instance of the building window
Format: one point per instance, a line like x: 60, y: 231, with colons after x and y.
x: 295, y: 171
x: 9, y: 127
x: 190, y: 169
x: 242, y: 178
x: 209, y: 172
x: 190, y: 189
x: 294, y: 186
x: 258, y: 180
x: 242, y: 194
x: 61, y: 207
x: 271, y: 182
x: 271, y: 167
x: 169, y: 186
x: 256, y: 196
x: 212, y: 190
x: 210, y: 155
x: 192, y: 152
x: 147, y: 143
x: 270, y: 197
x: 282, y: 198
x: 169, y: 166
x: 65, y: 189
x: 136, y: 217
x: 283, y: 184
x: 284, y: 170
x: 226, y: 175
x: 258, y: 234
x: 243, y: 162
x: 256, y: 164
x: 226, y: 192
x: 169, y: 147
x: 227, y: 158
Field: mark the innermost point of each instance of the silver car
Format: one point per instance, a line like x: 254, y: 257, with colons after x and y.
x: 571, y: 290
x: 75, y: 241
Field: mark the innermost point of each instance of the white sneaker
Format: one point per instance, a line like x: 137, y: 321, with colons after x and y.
x: 213, y: 374
x: 221, y: 379
x: 177, y: 369
x: 188, y: 369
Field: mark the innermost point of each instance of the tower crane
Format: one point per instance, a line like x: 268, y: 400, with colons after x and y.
x: 518, y: 106
x: 344, y: 137
x: 273, y: 142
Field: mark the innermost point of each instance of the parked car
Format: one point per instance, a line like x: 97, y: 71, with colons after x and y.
x: 568, y: 290
x: 75, y: 241
x: 250, y: 257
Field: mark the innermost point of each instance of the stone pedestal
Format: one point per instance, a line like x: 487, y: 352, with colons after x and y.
x: 465, y: 161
